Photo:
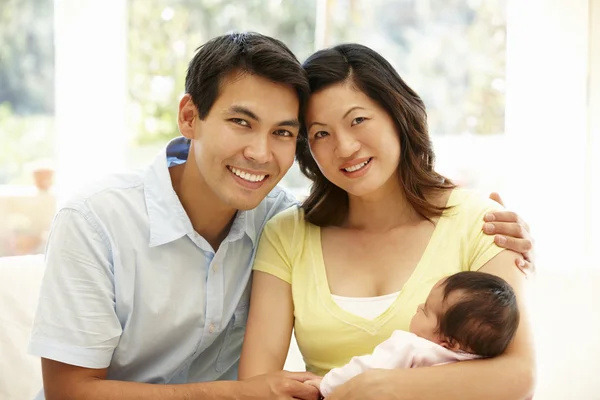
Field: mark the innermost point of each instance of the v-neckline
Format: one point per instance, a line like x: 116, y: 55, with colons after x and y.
x: 373, y: 325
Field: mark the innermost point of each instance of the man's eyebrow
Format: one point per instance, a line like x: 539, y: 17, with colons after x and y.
x: 294, y: 123
x: 243, y: 110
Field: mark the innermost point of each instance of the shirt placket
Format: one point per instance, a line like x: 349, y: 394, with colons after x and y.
x: 214, y: 296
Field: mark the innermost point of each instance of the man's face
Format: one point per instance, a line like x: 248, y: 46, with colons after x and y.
x: 246, y: 143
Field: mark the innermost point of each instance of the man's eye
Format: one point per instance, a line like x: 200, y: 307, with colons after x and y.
x: 240, y: 121
x: 283, y: 132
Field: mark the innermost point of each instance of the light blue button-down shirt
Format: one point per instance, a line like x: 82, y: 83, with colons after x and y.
x: 130, y: 286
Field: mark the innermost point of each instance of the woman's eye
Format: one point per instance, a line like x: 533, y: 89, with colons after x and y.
x: 358, y: 120
x: 321, y: 134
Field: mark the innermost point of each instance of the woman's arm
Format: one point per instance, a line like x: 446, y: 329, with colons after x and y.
x: 509, y: 376
x: 269, y: 328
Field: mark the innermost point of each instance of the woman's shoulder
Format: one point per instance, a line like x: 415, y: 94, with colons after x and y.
x: 471, y: 200
x: 469, y: 205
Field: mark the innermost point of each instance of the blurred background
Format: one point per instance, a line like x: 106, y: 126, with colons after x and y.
x: 512, y: 90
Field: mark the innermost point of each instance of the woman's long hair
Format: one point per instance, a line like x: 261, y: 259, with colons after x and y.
x: 370, y: 73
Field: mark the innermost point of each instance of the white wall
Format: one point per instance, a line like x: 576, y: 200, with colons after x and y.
x: 548, y: 53
x: 91, y: 89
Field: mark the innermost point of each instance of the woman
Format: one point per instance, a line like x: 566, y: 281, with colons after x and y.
x: 379, y: 228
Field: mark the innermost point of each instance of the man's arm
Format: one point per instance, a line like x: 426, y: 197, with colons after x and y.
x: 509, y: 376
x: 68, y: 382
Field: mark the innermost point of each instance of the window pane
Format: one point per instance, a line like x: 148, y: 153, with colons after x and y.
x: 26, y: 125
x: 163, y: 37
x: 451, y: 52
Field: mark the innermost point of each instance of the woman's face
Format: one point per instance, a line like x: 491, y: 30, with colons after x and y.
x: 353, y: 140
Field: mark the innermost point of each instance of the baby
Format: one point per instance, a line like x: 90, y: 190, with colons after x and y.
x: 466, y: 316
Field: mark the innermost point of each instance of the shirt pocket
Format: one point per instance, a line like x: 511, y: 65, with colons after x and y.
x: 234, y: 335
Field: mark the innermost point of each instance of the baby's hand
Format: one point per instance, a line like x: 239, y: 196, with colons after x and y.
x: 314, y: 382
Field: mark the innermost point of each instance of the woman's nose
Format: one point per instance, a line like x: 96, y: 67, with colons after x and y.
x: 347, y: 145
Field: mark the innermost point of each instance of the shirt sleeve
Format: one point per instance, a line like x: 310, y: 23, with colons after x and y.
x: 275, y: 253
x: 395, y: 352
x: 76, y: 322
x: 480, y: 247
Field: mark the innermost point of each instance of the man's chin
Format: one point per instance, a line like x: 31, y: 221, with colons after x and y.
x: 245, y: 203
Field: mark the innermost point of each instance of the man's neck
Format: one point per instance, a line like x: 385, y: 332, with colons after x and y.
x: 209, y: 216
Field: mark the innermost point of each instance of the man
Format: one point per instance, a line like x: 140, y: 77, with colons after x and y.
x: 147, y: 274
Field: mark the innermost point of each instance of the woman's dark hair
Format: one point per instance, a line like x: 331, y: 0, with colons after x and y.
x: 369, y: 72
x: 246, y: 52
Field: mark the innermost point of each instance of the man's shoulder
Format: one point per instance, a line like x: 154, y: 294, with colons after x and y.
x: 279, y: 193
x: 109, y: 191
x: 278, y: 199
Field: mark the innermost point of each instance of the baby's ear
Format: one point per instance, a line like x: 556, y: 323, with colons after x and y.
x: 450, y: 344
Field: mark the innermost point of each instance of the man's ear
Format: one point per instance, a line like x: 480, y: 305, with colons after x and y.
x: 450, y: 344
x: 186, y: 118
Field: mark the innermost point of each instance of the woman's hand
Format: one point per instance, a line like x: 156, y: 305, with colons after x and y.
x: 512, y: 233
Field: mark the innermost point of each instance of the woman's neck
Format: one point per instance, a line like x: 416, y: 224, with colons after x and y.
x: 382, y: 210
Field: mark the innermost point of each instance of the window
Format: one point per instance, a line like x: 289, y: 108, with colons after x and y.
x: 26, y: 124
x: 451, y: 52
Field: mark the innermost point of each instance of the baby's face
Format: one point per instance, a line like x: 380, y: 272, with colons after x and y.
x: 425, y: 321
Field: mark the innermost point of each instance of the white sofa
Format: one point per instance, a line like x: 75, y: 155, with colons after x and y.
x: 20, y: 278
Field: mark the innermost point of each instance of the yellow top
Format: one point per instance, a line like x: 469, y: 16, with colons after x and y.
x: 328, y: 336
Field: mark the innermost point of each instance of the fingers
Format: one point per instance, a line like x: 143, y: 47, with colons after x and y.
x: 298, y: 390
x: 505, y: 228
x: 300, y: 376
x: 496, y: 197
x: 313, y: 382
x: 525, y: 266
x: 501, y: 216
x: 522, y: 246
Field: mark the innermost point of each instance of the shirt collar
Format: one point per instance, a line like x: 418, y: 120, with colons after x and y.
x: 167, y: 217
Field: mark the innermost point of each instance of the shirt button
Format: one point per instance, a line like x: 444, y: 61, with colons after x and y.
x: 215, y: 267
x: 211, y: 328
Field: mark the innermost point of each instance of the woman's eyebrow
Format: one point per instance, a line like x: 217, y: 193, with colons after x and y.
x: 316, y: 123
x: 352, y: 109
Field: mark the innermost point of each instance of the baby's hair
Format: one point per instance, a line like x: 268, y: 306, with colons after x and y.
x: 484, y: 317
